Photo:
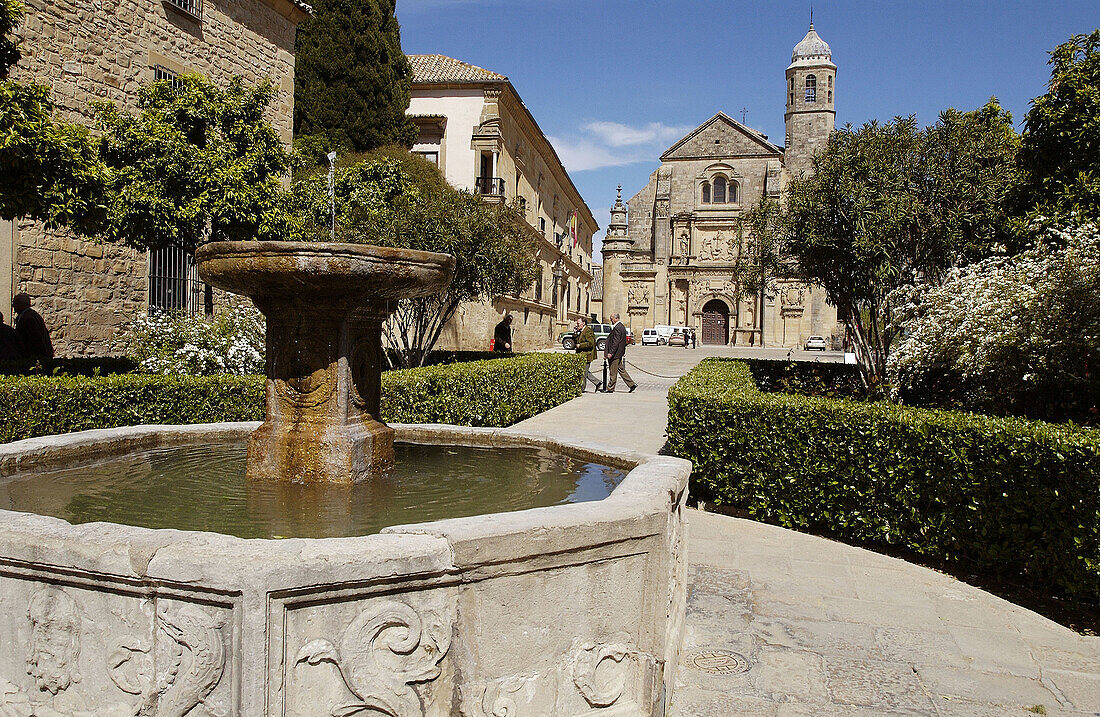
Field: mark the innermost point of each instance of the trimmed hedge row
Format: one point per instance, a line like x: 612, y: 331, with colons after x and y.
x: 835, y: 380
x: 481, y: 393
x: 496, y: 392
x: 100, y: 366
x: 43, y: 405
x: 1017, y: 498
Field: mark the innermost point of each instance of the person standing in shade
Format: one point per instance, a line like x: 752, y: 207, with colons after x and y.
x: 502, y: 334
x: 586, y: 344
x: 11, y: 346
x: 31, y: 329
x: 615, y: 353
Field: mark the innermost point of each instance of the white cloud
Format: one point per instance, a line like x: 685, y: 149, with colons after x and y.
x: 621, y: 135
x: 612, y: 144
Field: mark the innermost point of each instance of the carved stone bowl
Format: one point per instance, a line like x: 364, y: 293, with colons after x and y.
x: 311, y: 269
x: 571, y: 609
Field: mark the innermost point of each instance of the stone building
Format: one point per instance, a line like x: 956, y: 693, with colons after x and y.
x: 475, y: 127
x: 108, y: 50
x: 670, y: 259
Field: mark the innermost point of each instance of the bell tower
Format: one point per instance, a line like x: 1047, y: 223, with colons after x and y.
x: 811, y: 109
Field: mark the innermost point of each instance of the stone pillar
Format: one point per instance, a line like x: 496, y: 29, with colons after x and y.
x: 324, y: 394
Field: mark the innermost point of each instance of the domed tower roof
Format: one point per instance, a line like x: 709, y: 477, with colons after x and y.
x: 812, y: 50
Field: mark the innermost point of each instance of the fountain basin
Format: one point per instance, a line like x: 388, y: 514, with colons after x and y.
x: 324, y: 304
x: 565, y: 610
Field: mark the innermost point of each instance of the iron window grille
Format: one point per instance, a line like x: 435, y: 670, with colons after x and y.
x: 811, y: 88
x: 163, y: 73
x: 189, y: 7
x: 174, y: 284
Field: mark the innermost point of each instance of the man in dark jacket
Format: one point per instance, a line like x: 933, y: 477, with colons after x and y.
x: 11, y: 346
x: 502, y: 334
x: 31, y: 328
x: 615, y: 353
x: 586, y: 344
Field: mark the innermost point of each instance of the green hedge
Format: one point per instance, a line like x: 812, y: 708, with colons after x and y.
x: 1009, y: 496
x: 497, y: 392
x: 480, y: 393
x: 42, y: 405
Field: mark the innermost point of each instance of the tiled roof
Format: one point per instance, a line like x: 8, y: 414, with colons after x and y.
x: 597, y: 283
x: 440, y: 68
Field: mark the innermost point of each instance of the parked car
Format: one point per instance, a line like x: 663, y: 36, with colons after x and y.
x: 677, y: 338
x: 816, y: 342
x: 650, y: 337
x: 568, y: 339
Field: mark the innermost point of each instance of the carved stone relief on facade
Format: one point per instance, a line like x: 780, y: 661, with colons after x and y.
x: 719, y: 247
x: 638, y: 294
x: 792, y: 300
x: 378, y: 659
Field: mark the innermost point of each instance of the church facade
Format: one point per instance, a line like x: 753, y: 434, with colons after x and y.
x: 670, y: 253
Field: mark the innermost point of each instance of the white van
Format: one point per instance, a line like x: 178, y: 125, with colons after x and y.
x: 664, y: 332
x: 650, y: 337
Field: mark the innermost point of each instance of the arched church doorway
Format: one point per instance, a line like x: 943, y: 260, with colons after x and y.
x: 716, y: 322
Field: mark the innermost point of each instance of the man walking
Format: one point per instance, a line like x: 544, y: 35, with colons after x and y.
x: 615, y: 353
x: 31, y: 328
x: 586, y: 344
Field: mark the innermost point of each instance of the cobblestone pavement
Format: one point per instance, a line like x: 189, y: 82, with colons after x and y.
x: 786, y: 624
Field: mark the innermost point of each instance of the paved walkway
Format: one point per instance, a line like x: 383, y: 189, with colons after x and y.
x: 809, y: 626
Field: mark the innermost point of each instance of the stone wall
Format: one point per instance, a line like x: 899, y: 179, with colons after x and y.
x: 89, y: 50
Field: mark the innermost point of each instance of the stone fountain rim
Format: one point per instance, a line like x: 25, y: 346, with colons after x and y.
x: 363, y: 252
x: 653, y: 486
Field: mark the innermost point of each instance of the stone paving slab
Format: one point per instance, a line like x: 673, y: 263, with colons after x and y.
x: 823, y: 628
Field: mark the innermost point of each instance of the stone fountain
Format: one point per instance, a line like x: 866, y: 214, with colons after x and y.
x: 569, y: 609
x: 325, y: 305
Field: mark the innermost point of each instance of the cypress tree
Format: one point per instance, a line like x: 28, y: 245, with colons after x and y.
x: 352, y: 79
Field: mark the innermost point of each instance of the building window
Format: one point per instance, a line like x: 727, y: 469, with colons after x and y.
x: 161, y: 73
x: 542, y: 226
x: 538, y: 289
x: 830, y: 82
x: 719, y: 190
x: 732, y: 192
x: 830, y: 96
x: 811, y: 88
x: 432, y: 157
x: 174, y: 284
x: 190, y: 7
x: 706, y: 192
x: 792, y: 98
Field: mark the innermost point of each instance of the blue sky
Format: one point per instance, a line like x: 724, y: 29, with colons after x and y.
x: 614, y: 83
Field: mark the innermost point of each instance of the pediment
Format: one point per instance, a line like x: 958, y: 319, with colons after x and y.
x: 719, y: 137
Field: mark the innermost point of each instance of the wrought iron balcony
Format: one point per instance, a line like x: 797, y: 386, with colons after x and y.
x: 490, y: 186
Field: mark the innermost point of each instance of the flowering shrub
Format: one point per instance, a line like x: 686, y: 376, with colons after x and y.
x: 179, y: 344
x: 1017, y: 335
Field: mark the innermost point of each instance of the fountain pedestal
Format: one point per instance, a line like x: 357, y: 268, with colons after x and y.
x: 324, y: 305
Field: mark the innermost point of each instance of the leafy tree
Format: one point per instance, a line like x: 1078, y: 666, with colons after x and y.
x: 50, y: 167
x: 352, y: 80
x: 395, y: 198
x: 1060, y: 149
x: 197, y: 162
x: 11, y: 11
x: 889, y: 204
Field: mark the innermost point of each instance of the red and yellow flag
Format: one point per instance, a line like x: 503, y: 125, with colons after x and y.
x: 573, y: 227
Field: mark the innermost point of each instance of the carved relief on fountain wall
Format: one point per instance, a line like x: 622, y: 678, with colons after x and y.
x: 74, y: 652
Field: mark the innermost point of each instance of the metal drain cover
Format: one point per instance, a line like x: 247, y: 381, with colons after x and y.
x: 718, y: 662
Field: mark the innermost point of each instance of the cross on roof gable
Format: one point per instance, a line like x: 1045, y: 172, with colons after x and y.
x: 721, y: 136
